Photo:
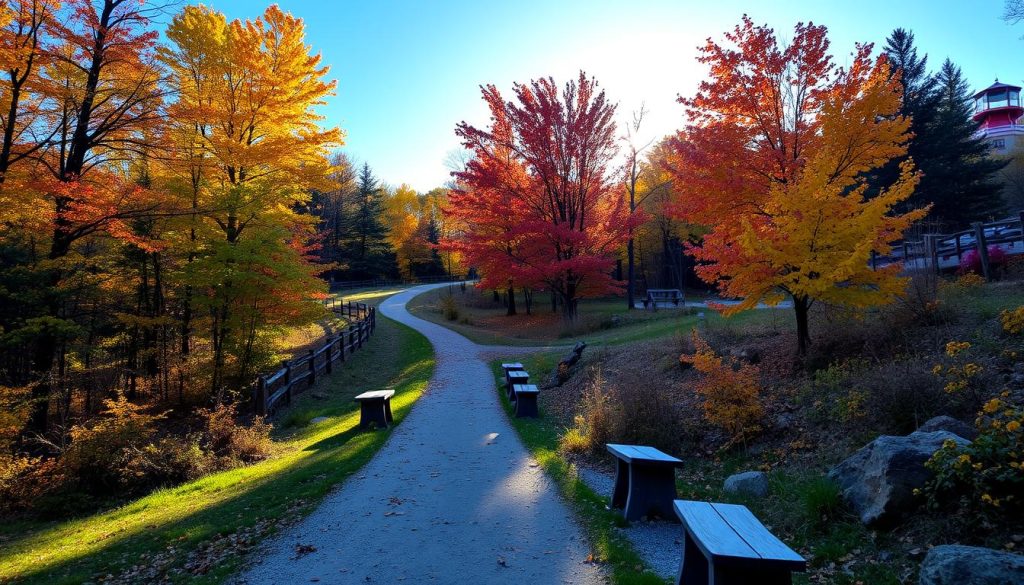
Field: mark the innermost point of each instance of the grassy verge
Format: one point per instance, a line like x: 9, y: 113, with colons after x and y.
x: 541, y: 438
x: 195, y: 532
x: 601, y: 321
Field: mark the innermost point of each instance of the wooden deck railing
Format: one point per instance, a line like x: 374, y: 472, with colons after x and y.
x: 297, y: 374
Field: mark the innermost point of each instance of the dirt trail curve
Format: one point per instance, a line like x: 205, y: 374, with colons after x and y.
x: 452, y: 497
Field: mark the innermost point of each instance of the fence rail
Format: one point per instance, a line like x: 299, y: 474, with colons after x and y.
x: 946, y: 251
x: 297, y: 374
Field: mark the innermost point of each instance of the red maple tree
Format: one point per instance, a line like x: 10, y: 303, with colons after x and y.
x: 536, y: 199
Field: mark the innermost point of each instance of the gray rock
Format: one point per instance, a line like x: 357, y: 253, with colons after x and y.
x: 750, y: 483
x: 878, y: 481
x: 948, y: 423
x: 318, y: 420
x: 955, y: 564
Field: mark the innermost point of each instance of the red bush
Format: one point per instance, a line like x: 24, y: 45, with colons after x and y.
x: 971, y: 261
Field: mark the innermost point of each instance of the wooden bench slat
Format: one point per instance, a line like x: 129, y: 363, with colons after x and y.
x: 759, y: 538
x: 512, y: 366
x: 657, y: 455
x: 529, y: 388
x: 714, y: 536
x: 376, y: 394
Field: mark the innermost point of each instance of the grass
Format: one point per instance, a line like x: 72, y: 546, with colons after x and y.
x: 604, y: 321
x: 309, y: 460
x: 541, y: 438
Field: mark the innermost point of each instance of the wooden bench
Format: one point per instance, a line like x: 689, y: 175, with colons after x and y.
x: 511, y: 367
x: 662, y: 295
x: 526, y: 400
x: 725, y: 544
x: 514, y: 377
x: 375, y: 408
x: 645, y: 481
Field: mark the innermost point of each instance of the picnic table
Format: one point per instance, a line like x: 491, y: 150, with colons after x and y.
x: 662, y: 295
x: 725, y: 544
x: 526, y: 400
x: 375, y: 408
x: 645, y: 481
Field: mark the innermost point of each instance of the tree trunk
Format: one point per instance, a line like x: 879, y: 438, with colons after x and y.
x: 801, y: 305
x: 511, y: 301
x: 528, y: 299
x: 630, y: 276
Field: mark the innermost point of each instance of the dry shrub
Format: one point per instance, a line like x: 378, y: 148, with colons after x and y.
x: 636, y: 410
x: 594, y: 426
x: 731, y: 391
x: 24, y: 480
x: 233, y: 441
x: 645, y: 414
x: 98, y: 458
x: 450, y: 308
x: 170, y: 460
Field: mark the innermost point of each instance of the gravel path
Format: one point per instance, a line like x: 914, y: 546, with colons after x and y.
x: 452, y: 497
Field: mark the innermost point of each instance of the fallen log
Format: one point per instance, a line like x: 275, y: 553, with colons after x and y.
x: 563, y: 371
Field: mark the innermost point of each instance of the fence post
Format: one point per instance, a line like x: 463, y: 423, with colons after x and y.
x: 359, y: 335
x: 931, y: 247
x: 979, y: 235
x: 287, y: 371
x: 959, y: 251
x: 373, y: 319
x: 312, y: 367
x: 327, y: 355
x: 349, y: 310
x: 261, y: 396
x: 341, y: 346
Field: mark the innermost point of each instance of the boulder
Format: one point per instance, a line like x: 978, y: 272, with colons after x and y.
x: 955, y: 564
x: 878, y: 481
x: 948, y: 423
x: 750, y: 483
x: 318, y: 420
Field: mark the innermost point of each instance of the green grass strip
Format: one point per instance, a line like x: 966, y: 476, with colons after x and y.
x: 309, y: 461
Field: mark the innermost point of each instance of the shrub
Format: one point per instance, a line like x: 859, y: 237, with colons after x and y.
x: 97, y: 458
x: 450, y: 308
x: 170, y: 460
x: 594, y: 426
x: 24, y: 480
x: 1013, y: 321
x: 987, y: 473
x: 645, y: 415
x: 971, y: 261
x: 228, y: 439
x: 731, y: 391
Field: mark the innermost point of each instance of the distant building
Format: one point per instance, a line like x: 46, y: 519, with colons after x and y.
x: 998, y: 110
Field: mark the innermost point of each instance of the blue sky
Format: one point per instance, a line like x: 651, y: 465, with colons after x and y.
x: 408, y: 71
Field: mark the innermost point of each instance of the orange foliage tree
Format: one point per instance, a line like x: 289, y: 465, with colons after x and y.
x: 774, y: 160
x: 731, y: 390
x: 536, y: 200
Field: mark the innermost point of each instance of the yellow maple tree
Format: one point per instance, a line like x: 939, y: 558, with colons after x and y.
x: 775, y: 161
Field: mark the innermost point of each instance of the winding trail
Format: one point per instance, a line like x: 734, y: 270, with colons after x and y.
x: 452, y: 497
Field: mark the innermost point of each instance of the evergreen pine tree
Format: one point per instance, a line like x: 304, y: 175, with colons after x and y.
x: 959, y: 177
x: 964, y: 177
x: 367, y: 250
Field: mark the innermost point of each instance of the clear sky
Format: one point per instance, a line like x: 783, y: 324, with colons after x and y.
x: 408, y: 71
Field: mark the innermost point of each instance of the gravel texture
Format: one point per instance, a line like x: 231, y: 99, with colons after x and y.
x: 452, y: 497
x: 659, y: 544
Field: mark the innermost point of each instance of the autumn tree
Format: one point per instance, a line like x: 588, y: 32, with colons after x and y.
x: 256, y: 152
x: 543, y: 163
x: 773, y: 161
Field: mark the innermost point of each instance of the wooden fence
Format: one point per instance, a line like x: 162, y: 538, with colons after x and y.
x: 298, y: 374
x: 946, y: 251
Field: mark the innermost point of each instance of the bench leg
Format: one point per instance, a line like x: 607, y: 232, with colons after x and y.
x: 387, y: 412
x: 652, y: 488
x: 621, y: 490
x: 526, y: 406
x: 372, y: 412
x: 743, y: 576
x: 693, y: 570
